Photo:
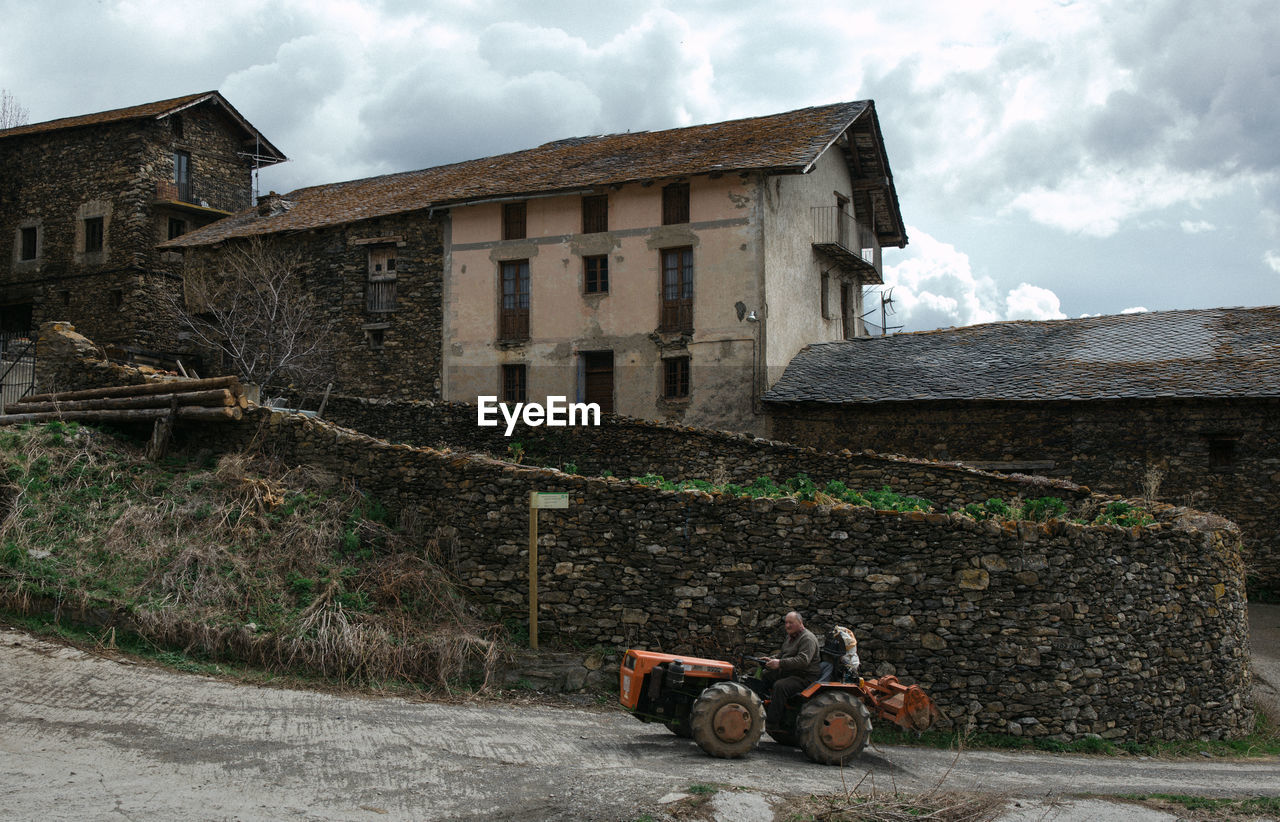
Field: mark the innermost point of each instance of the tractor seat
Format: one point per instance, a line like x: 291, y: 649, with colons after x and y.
x: 825, y: 670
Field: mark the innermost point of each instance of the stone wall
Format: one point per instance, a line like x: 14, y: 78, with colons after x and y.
x: 383, y: 354
x: 1053, y: 629
x: 629, y: 447
x: 1109, y: 446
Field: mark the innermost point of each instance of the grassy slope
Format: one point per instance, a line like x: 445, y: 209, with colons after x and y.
x: 233, y: 558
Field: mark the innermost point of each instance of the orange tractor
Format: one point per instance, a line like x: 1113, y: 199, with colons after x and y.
x: 723, y: 709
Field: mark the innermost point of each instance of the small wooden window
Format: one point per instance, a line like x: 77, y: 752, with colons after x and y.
x: 675, y: 378
x: 376, y: 337
x: 597, y: 379
x: 513, y: 221
x: 677, y: 290
x: 117, y: 298
x: 182, y: 175
x: 515, y: 383
x: 66, y: 298
x: 675, y: 204
x: 28, y: 250
x: 380, y: 290
x: 595, y: 214
x: 595, y: 274
x: 513, y: 311
x: 92, y: 234
x: 177, y: 227
x: 175, y: 121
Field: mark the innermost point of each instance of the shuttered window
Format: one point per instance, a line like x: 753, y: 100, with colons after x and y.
x: 380, y: 290
x: 513, y: 311
x: 675, y: 204
x: 595, y: 214
x: 513, y: 221
x: 677, y: 290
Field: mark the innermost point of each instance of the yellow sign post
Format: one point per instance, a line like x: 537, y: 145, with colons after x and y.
x: 537, y: 501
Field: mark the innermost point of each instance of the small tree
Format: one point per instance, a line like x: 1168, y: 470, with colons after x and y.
x: 12, y: 113
x: 248, y: 305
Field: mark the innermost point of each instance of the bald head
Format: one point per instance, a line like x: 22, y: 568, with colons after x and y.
x: 793, y: 622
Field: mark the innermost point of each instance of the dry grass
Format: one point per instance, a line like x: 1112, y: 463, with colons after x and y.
x: 235, y: 559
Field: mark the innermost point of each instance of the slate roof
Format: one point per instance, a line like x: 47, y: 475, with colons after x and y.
x: 1215, y: 352
x: 156, y: 110
x: 788, y: 142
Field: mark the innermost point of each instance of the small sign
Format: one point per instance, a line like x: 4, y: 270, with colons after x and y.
x: 544, y: 499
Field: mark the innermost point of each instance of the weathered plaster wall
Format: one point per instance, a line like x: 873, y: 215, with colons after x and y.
x: 793, y: 270
x: 564, y: 321
x: 1109, y: 446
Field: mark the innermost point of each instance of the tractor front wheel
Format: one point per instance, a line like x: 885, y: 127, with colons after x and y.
x: 833, y: 727
x: 726, y: 720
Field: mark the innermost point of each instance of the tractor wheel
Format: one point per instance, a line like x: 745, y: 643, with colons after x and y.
x: 783, y: 737
x: 833, y: 727
x: 679, y: 727
x: 726, y: 720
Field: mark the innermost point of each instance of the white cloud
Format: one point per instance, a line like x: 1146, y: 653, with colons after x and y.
x: 1137, y: 309
x: 936, y: 286
x: 1197, y: 227
x: 1272, y: 259
x: 1031, y: 302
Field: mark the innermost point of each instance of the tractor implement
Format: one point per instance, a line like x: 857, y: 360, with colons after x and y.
x: 907, y: 706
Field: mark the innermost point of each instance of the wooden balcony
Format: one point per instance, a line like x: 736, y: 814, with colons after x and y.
x: 852, y: 246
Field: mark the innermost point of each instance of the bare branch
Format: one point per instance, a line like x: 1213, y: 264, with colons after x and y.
x: 249, y: 304
x: 12, y: 113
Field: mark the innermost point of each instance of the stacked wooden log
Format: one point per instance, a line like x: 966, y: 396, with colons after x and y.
x: 217, y: 399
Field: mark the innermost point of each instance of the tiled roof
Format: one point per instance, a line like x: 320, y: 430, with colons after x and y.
x: 783, y: 142
x: 160, y: 108
x: 1212, y: 352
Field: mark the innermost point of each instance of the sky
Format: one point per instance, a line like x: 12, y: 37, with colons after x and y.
x: 1052, y: 159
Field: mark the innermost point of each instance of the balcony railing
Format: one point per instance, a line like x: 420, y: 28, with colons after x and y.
x: 848, y: 242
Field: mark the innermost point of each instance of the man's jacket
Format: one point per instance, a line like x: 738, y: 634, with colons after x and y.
x: 799, y: 655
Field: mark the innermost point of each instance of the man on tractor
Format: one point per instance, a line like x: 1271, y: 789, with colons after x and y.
x: 794, y: 668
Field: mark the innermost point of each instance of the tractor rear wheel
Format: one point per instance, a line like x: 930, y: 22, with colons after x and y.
x: 833, y: 727
x: 726, y: 720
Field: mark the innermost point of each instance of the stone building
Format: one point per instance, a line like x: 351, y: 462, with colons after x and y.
x: 660, y: 274
x: 1182, y: 405
x: 85, y: 200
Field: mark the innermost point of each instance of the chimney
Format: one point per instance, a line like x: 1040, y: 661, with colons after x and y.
x: 269, y: 204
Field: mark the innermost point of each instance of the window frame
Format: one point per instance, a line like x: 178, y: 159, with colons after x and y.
x: 95, y: 234
x: 595, y: 213
x: 182, y: 175
x: 513, y: 300
x: 515, y: 382
x: 381, y: 278
x: 515, y: 221
x: 22, y: 243
x: 675, y: 203
x: 675, y: 294
x: 179, y: 223
x: 595, y: 281
x: 675, y: 377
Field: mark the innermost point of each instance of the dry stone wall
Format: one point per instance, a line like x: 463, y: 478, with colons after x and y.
x: 1110, y: 446
x: 1046, y: 630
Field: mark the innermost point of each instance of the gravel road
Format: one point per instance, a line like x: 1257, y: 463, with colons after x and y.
x: 85, y: 736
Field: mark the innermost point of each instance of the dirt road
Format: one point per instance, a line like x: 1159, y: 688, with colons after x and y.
x: 83, y: 736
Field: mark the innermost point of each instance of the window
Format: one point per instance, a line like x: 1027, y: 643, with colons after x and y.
x: 1222, y: 452
x: 675, y: 204
x: 175, y: 122
x: 597, y: 379
x: 380, y: 290
x: 677, y: 290
x: 182, y: 175
x: 66, y: 298
x: 595, y: 214
x: 376, y: 337
x: 513, y: 221
x: 595, y: 274
x: 28, y: 249
x: 177, y: 227
x: 514, y: 383
x: 825, y: 285
x: 513, y: 319
x: 117, y: 298
x: 675, y: 378
x: 92, y: 234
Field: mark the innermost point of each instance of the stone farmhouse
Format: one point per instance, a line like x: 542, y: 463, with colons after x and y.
x: 84, y: 201
x: 1184, y: 405
x: 668, y: 274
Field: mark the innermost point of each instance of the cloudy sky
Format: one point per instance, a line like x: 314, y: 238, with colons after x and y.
x: 1053, y: 159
